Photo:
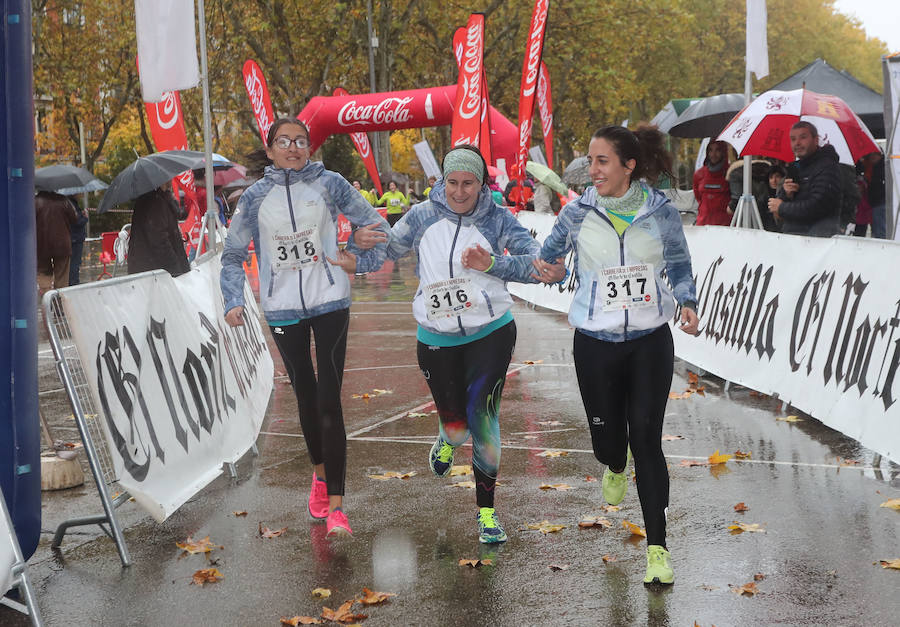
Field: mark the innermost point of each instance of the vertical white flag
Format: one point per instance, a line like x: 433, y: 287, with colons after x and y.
x: 757, y: 42
x: 167, y: 46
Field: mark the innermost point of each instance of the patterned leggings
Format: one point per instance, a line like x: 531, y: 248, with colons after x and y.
x: 466, y: 382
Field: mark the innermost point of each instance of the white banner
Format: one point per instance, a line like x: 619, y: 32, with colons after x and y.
x: 181, y: 392
x: 757, y: 39
x: 167, y: 46
x: 426, y: 158
x: 892, y: 149
x: 815, y: 321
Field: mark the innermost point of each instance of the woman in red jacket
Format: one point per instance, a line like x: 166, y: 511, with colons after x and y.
x: 711, y: 187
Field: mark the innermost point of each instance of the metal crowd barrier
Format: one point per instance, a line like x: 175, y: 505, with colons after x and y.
x: 19, y: 573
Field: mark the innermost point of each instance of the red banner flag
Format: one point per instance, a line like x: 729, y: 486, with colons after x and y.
x: 530, y: 71
x: 485, y: 138
x: 545, y: 110
x: 364, y: 148
x: 258, y: 91
x: 167, y: 128
x: 466, y: 127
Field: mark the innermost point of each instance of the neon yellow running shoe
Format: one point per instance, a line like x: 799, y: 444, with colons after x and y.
x: 489, y: 528
x: 659, y: 566
x: 441, y: 457
x: 615, y: 484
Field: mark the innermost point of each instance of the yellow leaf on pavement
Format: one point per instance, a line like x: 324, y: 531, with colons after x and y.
x: 739, y: 527
x: 469, y: 485
x: 416, y: 414
x: 300, y: 620
x: 391, y: 474
x: 197, y: 546
x: 475, y: 563
x: 789, y: 419
x: 739, y: 454
x: 545, y: 526
x: 748, y: 589
x: 892, y: 504
x: 610, y: 508
x: 555, y: 486
x: 634, y: 529
x: 741, y: 507
x: 717, y: 458
x: 461, y: 470
x: 371, y: 597
x: 549, y: 453
x: 890, y: 563
x: 342, y: 614
x: 608, y: 558
x: 265, y: 532
x: 321, y: 593
x: 594, y: 521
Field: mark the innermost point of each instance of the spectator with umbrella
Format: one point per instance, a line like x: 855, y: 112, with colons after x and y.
x: 711, y: 187
x: 54, y: 218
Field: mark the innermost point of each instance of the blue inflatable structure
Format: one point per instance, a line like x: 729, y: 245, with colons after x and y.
x: 20, y: 443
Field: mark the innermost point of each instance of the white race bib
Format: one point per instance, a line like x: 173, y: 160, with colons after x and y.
x: 448, y: 298
x: 294, y: 251
x: 627, y: 287
x: 395, y: 202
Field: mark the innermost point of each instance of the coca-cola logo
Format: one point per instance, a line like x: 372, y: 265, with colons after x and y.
x: 362, y: 144
x: 167, y: 110
x: 257, y: 94
x: 388, y: 111
x: 534, y: 48
x: 471, y: 100
x: 543, y: 104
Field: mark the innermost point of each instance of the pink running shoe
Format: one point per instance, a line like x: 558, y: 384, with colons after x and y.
x: 337, y: 524
x: 318, y: 499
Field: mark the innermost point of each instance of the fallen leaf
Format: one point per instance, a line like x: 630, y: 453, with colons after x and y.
x: 475, y: 563
x: 847, y: 462
x: 380, y: 392
x: 545, y: 526
x: 676, y: 395
x: 549, y: 453
x: 265, y: 532
x: 416, y: 414
x: 469, y: 485
x: 556, y: 567
x: 529, y: 362
x: 669, y: 438
x: 890, y: 563
x: 892, y: 504
x: 590, y: 479
x: 594, y: 521
x: 461, y: 470
x: 717, y: 458
x: 365, y: 396
x: 688, y: 463
x: 371, y: 597
x: 608, y: 558
x: 549, y: 423
x: 240, y: 513
x: 741, y: 507
x: 739, y: 527
x: 789, y: 419
x: 342, y: 614
x: 300, y: 620
x: 391, y: 474
x: 555, y: 486
x: 758, y: 577
x: 634, y: 529
x: 321, y: 593
x: 197, y: 546
x: 748, y: 588
x: 206, y: 575
x: 693, y: 378
x: 610, y: 508
x: 739, y: 454
x: 701, y: 390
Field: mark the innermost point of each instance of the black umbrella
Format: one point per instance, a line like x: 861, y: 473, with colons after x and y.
x: 576, y: 173
x: 148, y: 173
x: 67, y: 180
x: 709, y: 117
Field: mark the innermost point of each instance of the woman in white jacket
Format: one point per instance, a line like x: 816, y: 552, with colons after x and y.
x: 629, y: 249
x: 291, y: 217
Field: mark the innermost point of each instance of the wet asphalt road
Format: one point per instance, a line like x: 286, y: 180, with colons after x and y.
x: 824, y: 529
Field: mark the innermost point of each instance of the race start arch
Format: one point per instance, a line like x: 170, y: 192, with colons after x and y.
x: 393, y: 110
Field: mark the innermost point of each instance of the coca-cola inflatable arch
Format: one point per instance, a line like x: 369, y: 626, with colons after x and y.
x: 388, y: 111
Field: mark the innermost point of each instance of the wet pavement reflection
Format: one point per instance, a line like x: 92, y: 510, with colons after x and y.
x: 823, y: 531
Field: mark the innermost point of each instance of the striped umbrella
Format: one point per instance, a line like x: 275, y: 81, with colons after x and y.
x: 763, y: 127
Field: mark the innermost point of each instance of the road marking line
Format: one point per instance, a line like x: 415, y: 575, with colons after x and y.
x: 544, y: 431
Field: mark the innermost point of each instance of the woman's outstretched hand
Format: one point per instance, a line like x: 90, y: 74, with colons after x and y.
x: 546, y: 272
x: 366, y: 237
x: 476, y: 258
x: 689, y: 321
x: 345, y: 260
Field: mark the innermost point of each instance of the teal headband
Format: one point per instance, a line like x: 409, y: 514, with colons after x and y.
x: 464, y: 160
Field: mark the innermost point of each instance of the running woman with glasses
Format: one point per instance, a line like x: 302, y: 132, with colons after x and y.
x: 291, y: 217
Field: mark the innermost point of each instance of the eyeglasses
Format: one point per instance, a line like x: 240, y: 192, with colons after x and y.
x: 284, y: 142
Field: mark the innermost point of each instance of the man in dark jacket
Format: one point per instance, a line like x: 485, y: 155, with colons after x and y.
x: 54, y: 218
x: 809, y: 202
x: 155, y: 241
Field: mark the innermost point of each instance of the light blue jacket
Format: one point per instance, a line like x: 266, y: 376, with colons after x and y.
x: 439, y: 236
x: 654, y: 237
x: 281, y: 204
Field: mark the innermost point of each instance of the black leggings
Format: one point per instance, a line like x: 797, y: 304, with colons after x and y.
x: 466, y: 382
x: 321, y: 416
x: 625, y: 387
